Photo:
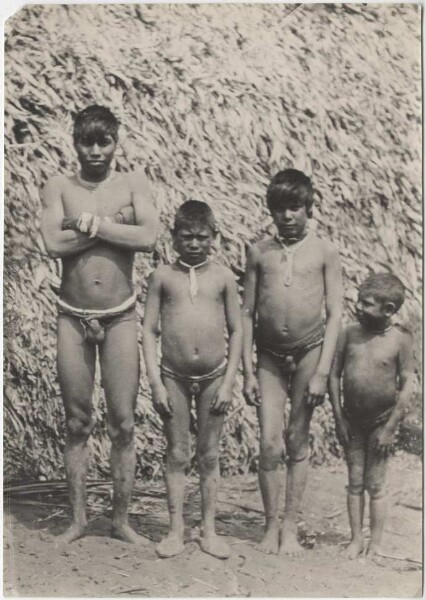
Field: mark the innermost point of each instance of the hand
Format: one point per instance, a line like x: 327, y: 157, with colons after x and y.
x: 222, y: 399
x: 384, y: 445
x: 161, y: 401
x: 70, y: 223
x: 85, y: 222
x: 343, y: 430
x: 317, y: 388
x: 251, y: 390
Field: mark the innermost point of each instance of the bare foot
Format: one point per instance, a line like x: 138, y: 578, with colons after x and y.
x: 354, y: 549
x: 74, y: 532
x: 213, y: 544
x: 269, y: 544
x: 171, y: 545
x: 373, y: 550
x: 125, y: 533
x: 289, y: 545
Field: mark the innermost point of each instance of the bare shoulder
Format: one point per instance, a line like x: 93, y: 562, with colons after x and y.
x: 352, y: 331
x: 222, y: 273
x: 53, y: 189
x: 405, y: 336
x: 160, y: 274
x: 136, y: 180
x: 328, y: 250
x: 261, y: 248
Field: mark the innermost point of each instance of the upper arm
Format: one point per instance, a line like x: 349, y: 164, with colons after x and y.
x: 53, y: 210
x: 232, y: 305
x: 142, y: 202
x: 339, y: 355
x: 250, y: 281
x: 152, y: 304
x: 333, y: 280
x: 405, y: 359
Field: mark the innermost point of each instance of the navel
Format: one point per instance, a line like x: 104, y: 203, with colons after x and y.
x: 97, y: 282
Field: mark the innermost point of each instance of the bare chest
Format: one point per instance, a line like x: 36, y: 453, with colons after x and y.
x: 301, y: 269
x: 102, y: 201
x: 376, y: 353
x: 205, y: 293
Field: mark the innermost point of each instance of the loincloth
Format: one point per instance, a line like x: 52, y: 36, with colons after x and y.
x: 287, y: 355
x: 95, y: 322
x: 194, y: 381
x: 367, y: 425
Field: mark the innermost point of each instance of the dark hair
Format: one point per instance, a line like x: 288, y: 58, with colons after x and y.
x: 194, y: 211
x: 290, y: 185
x: 384, y: 287
x: 93, y: 123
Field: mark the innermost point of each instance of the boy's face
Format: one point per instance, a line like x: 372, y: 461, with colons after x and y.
x: 371, y: 312
x: 193, y: 243
x: 290, y: 219
x: 95, y: 153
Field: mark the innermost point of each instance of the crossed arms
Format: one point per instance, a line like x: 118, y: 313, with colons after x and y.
x: 135, y: 228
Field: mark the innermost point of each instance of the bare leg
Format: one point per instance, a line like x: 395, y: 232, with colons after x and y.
x: 176, y: 429
x: 356, y: 514
x: 209, y: 431
x: 297, y: 448
x: 273, y: 389
x: 356, y: 460
x: 76, y: 372
x: 119, y: 356
x: 375, y: 484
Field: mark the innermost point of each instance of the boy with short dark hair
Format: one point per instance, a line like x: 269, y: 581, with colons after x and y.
x: 196, y: 300
x: 82, y: 225
x: 376, y: 361
x: 289, y: 279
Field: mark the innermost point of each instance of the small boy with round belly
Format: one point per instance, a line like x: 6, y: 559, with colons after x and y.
x: 376, y: 362
x: 196, y: 300
x: 290, y: 279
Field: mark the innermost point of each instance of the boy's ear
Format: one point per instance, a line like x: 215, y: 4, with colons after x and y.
x: 390, y: 308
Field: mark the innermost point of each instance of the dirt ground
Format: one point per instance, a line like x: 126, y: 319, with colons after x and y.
x: 98, y: 566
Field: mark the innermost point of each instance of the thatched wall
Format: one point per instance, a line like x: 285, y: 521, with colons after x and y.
x: 213, y: 99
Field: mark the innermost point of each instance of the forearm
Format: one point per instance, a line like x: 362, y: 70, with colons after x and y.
x: 132, y: 237
x: 234, y: 355
x: 67, y: 243
x: 400, y: 408
x: 334, y: 394
x: 149, y: 345
x: 331, y: 335
x: 248, y: 344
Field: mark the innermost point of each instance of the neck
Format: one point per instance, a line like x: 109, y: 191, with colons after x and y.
x: 94, y: 177
x: 196, y: 266
x: 379, y: 328
x: 289, y: 241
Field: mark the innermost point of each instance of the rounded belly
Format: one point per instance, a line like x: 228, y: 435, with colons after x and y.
x: 368, y: 397
x: 99, y: 278
x: 193, y: 347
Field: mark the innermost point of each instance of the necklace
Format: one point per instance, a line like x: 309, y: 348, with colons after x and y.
x: 193, y: 284
x: 379, y: 332
x: 288, y: 255
x: 95, y: 185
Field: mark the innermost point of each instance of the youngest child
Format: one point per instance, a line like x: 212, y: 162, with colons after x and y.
x: 375, y: 358
x: 197, y: 302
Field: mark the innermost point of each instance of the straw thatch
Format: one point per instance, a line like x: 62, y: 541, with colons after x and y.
x: 213, y: 99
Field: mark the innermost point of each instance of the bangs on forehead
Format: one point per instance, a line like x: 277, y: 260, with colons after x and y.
x: 284, y: 197
x: 95, y: 131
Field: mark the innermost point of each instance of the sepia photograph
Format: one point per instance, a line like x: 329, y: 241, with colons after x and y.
x: 212, y: 290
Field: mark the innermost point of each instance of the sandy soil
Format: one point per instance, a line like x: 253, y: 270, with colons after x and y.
x: 100, y: 566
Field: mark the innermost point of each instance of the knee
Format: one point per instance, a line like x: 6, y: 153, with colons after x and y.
x: 270, y: 454
x: 375, y: 489
x: 356, y: 488
x: 296, y: 444
x: 178, y: 457
x: 207, y: 461
x: 79, y: 427
x: 121, y: 432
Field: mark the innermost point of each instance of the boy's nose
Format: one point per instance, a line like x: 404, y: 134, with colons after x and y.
x: 95, y: 149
